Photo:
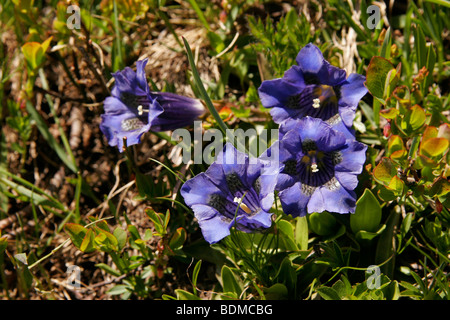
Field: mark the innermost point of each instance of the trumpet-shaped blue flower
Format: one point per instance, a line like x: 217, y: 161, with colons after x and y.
x: 234, y: 191
x: 319, y: 168
x: 314, y: 88
x: 132, y: 109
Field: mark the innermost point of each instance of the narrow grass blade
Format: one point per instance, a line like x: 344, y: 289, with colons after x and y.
x: 43, y: 129
x: 200, y: 14
x: 199, y: 84
x: 202, y: 90
x: 118, y: 61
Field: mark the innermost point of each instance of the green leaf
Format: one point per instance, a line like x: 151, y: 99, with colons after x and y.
x: 276, y: 292
x: 286, y: 273
x: 102, y: 224
x: 178, y: 239
x: 76, y: 233
x: 34, y: 53
x: 378, y: 71
x: 117, y: 56
x: 434, y: 147
x: 430, y: 132
x: 230, y: 282
x: 323, y: 223
x: 384, y: 171
x: 195, y: 273
x: 199, y: 13
x: 29, y: 51
x: 440, y: 187
x: 301, y: 233
x: 416, y: 117
x: 328, y: 293
x: 118, y: 289
x: 420, y: 45
x: 121, y: 236
x: 395, y: 144
x: 44, y: 130
x: 133, y: 232
x: 396, y: 185
x: 288, y: 239
x: 385, y: 194
x: 390, y: 113
x: 108, y: 269
x: 367, y: 214
x: 386, y: 47
x: 287, y: 228
x: 157, y: 220
x: 202, y: 90
x: 3, y: 244
x: 185, y: 295
x: 106, y: 241
x: 406, y: 224
x: 363, y: 235
x: 144, y: 184
x: 431, y: 60
x: 88, y: 245
x: 34, y: 196
x: 216, y: 41
x: 385, y: 252
x: 392, y: 78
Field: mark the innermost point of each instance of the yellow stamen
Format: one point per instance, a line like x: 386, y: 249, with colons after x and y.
x: 242, y: 205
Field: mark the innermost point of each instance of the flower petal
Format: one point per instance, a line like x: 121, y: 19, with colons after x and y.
x: 291, y: 143
x: 141, y: 76
x: 294, y: 75
x: 310, y: 59
x: 261, y: 219
x: 347, y: 114
x: 213, y: 227
x: 353, y: 90
x: 233, y: 161
x: 348, y: 180
x: 294, y: 201
x: 125, y: 82
x: 179, y: 111
x: 353, y: 157
x: 336, y: 199
x: 281, y: 114
x: 317, y: 69
x: 321, y: 133
x: 285, y: 181
x: 275, y: 92
x: 113, y: 122
x: 265, y: 182
x: 339, y: 125
x: 198, y: 190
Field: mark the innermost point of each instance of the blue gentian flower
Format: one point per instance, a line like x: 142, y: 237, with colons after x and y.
x: 314, y: 88
x: 132, y: 109
x: 179, y: 111
x: 234, y: 191
x: 319, y: 168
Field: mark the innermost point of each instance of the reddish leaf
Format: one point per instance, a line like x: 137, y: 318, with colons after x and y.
x: 76, y: 233
x: 384, y: 171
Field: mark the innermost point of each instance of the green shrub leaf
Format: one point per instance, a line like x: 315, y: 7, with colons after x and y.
x: 367, y: 214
